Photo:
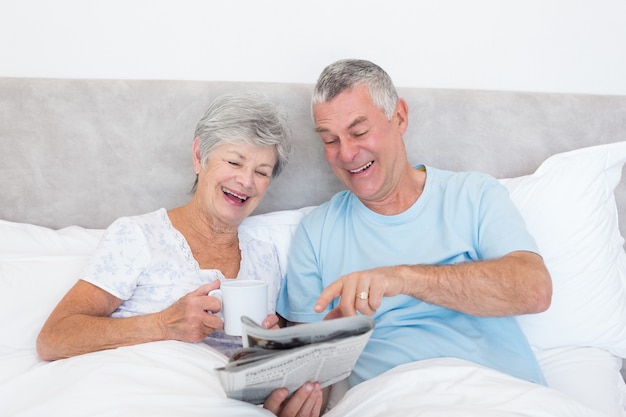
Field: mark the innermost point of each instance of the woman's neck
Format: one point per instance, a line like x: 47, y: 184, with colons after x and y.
x: 213, y: 245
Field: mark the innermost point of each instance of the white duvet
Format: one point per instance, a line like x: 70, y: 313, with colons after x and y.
x: 177, y: 379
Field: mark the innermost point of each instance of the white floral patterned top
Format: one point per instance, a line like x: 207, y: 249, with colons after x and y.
x: 146, y: 262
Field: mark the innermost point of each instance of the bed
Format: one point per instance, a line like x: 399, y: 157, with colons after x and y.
x: 77, y: 154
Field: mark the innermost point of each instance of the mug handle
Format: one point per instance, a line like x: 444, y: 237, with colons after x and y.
x: 217, y: 293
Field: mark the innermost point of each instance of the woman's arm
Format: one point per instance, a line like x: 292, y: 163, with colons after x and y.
x: 80, y: 323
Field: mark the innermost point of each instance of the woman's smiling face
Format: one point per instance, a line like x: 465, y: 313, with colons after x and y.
x: 234, y: 181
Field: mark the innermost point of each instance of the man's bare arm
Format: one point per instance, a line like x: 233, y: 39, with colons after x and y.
x: 518, y: 283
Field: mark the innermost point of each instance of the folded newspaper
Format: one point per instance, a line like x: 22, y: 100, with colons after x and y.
x: 325, y: 352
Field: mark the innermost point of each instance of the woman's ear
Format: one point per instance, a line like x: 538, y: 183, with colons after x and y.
x: 197, y: 161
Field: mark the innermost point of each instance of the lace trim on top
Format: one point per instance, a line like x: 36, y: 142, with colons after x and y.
x: 185, y: 249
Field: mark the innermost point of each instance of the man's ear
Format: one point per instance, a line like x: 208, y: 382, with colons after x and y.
x: 402, y: 115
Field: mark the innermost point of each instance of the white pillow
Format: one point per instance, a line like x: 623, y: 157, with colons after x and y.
x: 569, y: 207
x: 31, y: 288
x: 20, y: 239
x: 277, y: 228
x: 37, y: 266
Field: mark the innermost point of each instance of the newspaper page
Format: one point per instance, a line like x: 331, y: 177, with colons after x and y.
x: 324, y: 352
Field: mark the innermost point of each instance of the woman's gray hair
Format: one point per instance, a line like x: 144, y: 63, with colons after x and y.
x: 347, y: 74
x: 236, y: 118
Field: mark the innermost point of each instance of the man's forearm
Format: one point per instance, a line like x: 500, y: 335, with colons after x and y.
x: 516, y: 284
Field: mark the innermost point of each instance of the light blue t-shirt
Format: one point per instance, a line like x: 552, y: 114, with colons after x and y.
x: 459, y: 217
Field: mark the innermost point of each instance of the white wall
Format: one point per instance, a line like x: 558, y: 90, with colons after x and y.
x: 527, y: 45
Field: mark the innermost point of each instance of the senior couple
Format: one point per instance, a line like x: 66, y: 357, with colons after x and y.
x: 450, y: 265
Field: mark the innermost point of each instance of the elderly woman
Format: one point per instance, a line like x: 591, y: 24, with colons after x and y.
x: 152, y: 273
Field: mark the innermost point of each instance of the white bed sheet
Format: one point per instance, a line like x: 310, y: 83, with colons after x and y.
x: 153, y: 379
x: 590, y: 375
x: 177, y: 379
x: 453, y: 387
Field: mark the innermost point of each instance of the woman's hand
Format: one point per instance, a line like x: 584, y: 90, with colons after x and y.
x: 189, y: 318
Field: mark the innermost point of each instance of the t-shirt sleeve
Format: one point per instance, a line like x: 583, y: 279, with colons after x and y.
x: 501, y: 227
x: 303, y: 283
x: 120, y: 258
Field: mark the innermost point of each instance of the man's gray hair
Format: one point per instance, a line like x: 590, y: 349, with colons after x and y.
x: 347, y: 74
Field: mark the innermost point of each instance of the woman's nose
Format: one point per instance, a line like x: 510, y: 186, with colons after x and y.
x: 244, y: 177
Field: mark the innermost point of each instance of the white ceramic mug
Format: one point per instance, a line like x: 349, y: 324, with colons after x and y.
x: 245, y: 297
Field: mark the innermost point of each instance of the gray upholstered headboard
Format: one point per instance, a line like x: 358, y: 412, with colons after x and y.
x: 88, y: 151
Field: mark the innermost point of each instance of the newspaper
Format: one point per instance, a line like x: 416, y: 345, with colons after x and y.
x: 325, y: 352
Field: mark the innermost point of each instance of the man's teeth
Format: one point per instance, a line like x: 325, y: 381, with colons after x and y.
x: 363, y: 168
x: 241, y: 197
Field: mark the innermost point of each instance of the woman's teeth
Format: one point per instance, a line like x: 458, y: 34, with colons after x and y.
x: 241, y: 197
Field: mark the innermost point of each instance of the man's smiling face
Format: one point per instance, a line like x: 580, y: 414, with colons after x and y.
x: 363, y: 148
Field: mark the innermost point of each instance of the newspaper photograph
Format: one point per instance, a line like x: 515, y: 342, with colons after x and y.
x: 325, y: 352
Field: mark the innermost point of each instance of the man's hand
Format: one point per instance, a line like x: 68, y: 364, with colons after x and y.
x: 271, y: 322
x: 361, y: 291
x: 305, y: 402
